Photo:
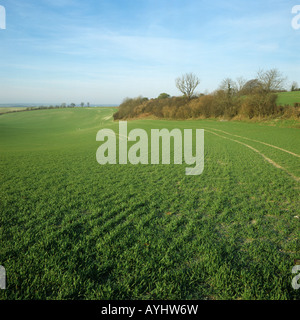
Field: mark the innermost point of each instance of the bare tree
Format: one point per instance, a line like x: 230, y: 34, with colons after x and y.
x: 271, y: 80
x: 294, y: 86
x: 229, y: 86
x: 240, y: 81
x: 251, y: 86
x: 187, y: 84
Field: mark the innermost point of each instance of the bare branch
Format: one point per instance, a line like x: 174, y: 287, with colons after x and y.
x: 271, y: 80
x: 187, y: 84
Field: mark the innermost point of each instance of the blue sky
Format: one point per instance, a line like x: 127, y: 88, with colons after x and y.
x: 101, y: 51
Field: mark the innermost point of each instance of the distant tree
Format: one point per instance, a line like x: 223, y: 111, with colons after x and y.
x: 295, y: 86
x: 82, y: 104
x: 251, y: 86
x: 187, y: 84
x: 271, y: 80
x: 163, y: 96
x: 72, y: 105
x: 227, y: 98
x: 63, y: 105
x: 229, y: 87
x: 240, y: 82
x: 88, y: 104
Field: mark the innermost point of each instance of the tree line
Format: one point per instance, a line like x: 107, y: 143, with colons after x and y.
x: 63, y: 105
x: 255, y: 98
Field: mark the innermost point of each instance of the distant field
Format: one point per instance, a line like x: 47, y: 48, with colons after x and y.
x: 73, y: 229
x: 288, y: 98
x: 10, y: 109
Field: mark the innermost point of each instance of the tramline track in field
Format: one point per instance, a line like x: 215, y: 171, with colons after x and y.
x: 257, y: 151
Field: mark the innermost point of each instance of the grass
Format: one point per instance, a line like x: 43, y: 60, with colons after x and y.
x: 73, y: 229
x: 288, y: 98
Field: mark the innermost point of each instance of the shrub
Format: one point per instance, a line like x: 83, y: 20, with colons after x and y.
x: 259, y: 105
x: 163, y: 96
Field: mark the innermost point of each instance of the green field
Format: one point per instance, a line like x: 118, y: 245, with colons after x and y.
x: 288, y: 98
x: 73, y: 229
